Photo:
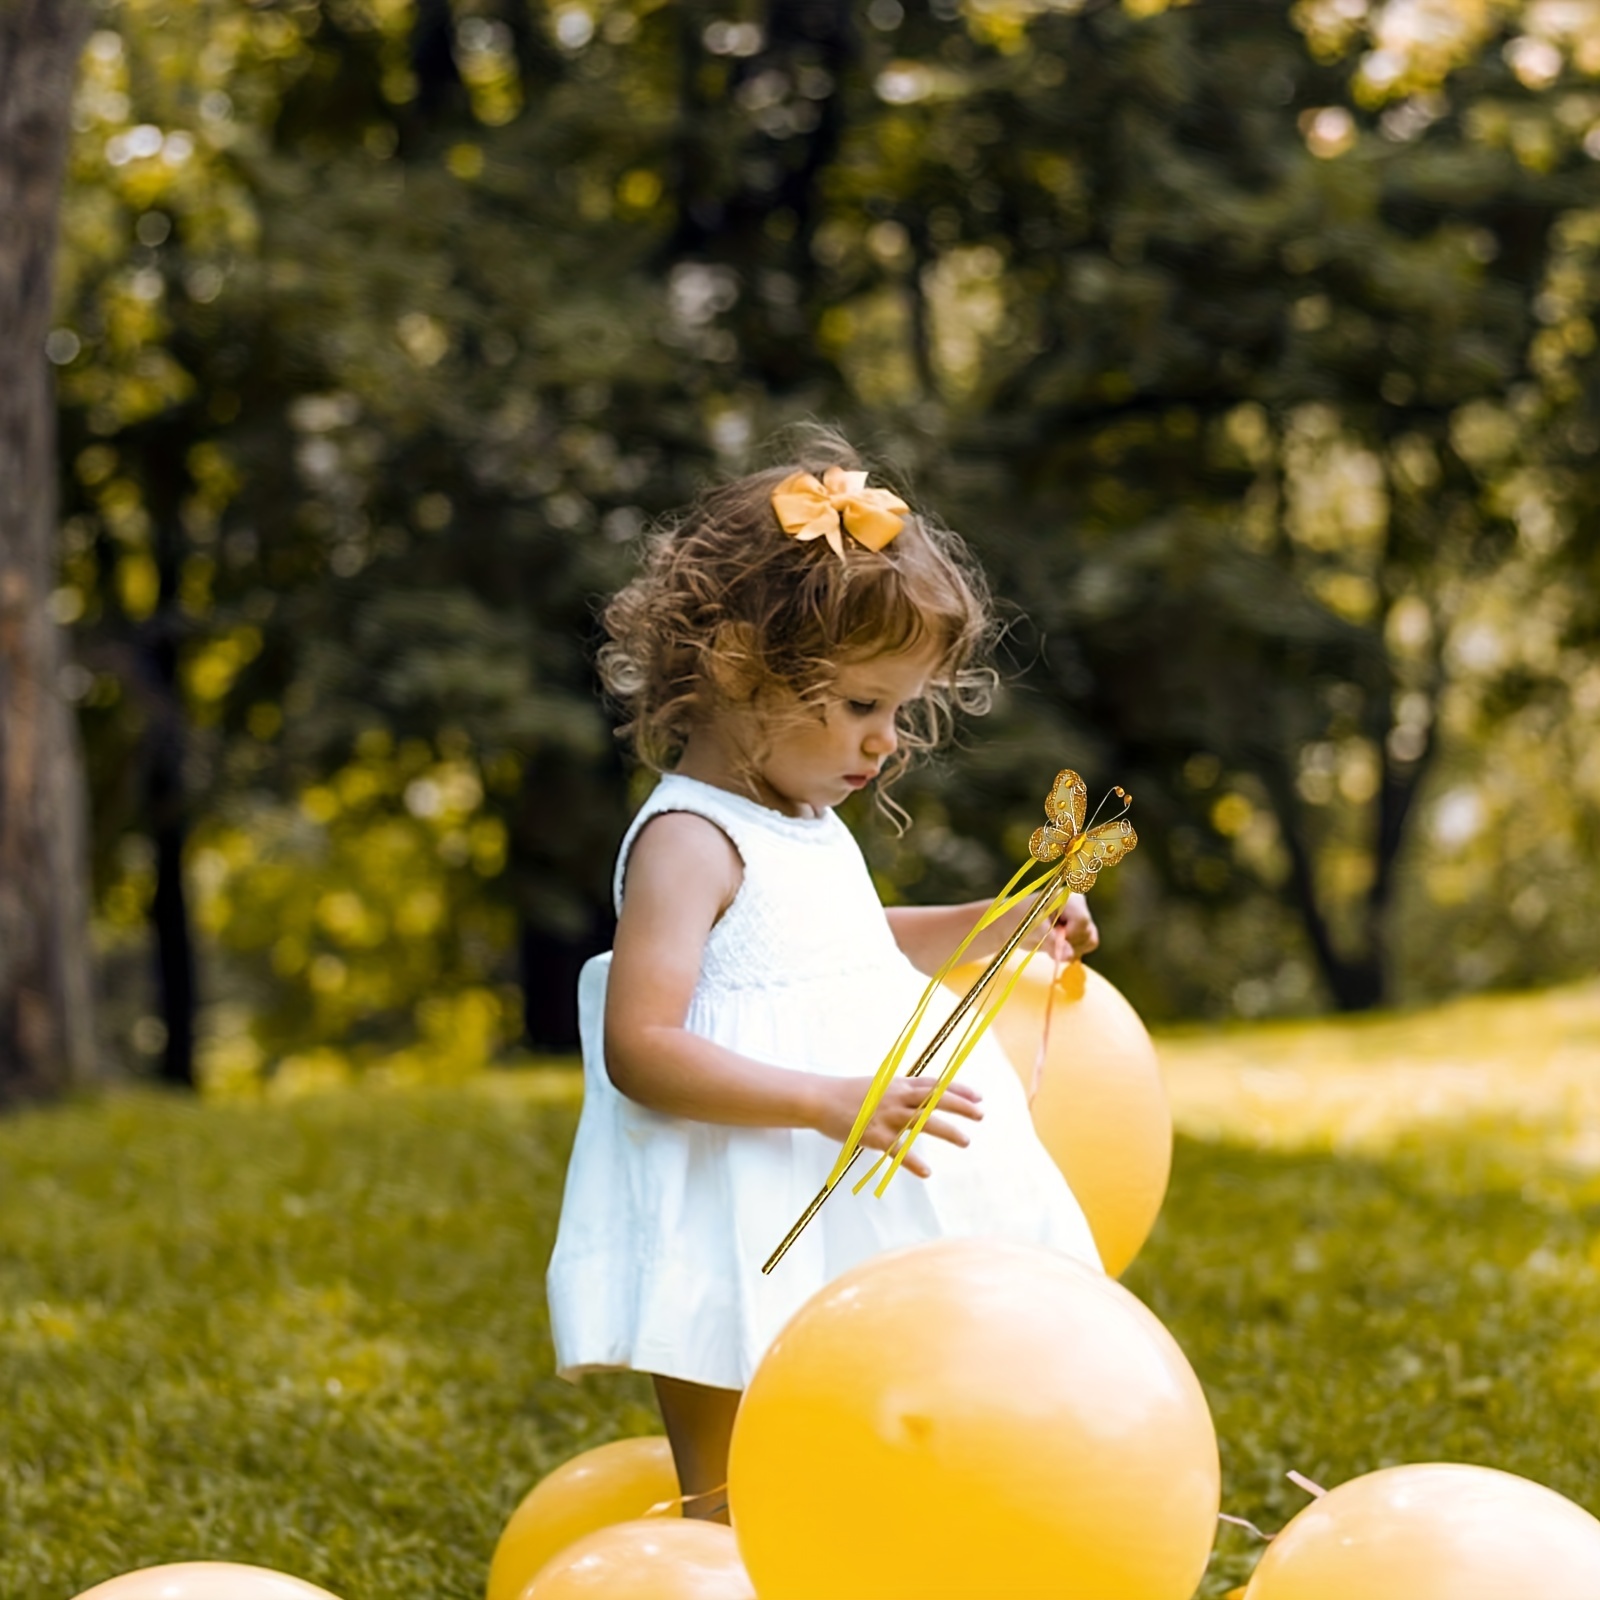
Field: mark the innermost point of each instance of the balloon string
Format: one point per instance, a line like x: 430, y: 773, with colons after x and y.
x: 663, y: 1506
x: 1044, y: 1033
x: 1299, y: 1480
x: 1244, y: 1522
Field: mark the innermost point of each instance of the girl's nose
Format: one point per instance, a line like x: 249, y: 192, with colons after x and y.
x: 881, y: 738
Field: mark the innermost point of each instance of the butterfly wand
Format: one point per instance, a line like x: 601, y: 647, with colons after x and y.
x: 1081, y: 852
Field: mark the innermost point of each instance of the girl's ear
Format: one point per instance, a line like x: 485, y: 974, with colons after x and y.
x: 733, y: 663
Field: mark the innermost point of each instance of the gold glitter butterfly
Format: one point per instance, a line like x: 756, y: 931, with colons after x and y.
x: 1087, y: 849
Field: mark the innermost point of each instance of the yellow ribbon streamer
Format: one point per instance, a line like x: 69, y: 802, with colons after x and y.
x: 1008, y: 897
x: 975, y: 1030
x: 1072, y: 856
x: 890, y: 1067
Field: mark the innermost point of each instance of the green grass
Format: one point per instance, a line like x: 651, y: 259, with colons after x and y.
x: 1346, y: 1314
x: 312, y: 1335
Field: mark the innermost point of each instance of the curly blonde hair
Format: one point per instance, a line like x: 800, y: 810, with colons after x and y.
x: 729, y: 611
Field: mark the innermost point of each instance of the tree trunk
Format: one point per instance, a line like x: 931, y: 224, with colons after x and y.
x: 548, y: 964
x: 165, y: 740
x: 46, y: 1035
x: 569, y: 821
x: 169, y: 910
x: 1360, y: 981
x: 440, y: 91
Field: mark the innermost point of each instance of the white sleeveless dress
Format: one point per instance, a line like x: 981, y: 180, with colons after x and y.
x: 666, y: 1222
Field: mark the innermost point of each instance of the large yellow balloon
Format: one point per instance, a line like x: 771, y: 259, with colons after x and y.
x: 1434, y: 1531
x: 974, y: 1418
x: 654, y: 1560
x: 614, y: 1482
x: 205, y: 1580
x: 1101, y: 1108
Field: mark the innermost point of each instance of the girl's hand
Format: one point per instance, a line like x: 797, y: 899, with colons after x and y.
x: 1071, y: 935
x: 839, y: 1102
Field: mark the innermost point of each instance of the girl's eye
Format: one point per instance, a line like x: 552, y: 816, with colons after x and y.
x: 862, y: 708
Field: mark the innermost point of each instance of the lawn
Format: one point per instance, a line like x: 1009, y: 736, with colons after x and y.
x: 312, y: 1334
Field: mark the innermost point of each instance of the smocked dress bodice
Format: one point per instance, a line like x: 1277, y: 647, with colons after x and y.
x: 806, y: 912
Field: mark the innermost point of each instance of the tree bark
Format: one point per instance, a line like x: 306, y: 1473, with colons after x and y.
x: 169, y: 910
x: 165, y: 742
x: 570, y: 816
x: 440, y: 91
x: 46, y: 1033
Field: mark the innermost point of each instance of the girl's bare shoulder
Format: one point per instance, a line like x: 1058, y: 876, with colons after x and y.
x: 680, y: 854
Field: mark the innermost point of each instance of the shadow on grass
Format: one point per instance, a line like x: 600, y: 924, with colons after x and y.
x: 1346, y: 1314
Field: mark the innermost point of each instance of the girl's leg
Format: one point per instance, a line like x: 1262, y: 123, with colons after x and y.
x: 699, y: 1422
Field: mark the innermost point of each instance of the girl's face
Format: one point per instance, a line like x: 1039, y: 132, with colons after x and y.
x: 812, y: 763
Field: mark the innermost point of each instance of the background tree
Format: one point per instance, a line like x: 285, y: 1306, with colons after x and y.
x: 1251, y: 347
x: 46, y: 1039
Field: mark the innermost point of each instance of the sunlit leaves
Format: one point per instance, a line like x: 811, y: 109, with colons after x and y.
x: 210, y: 672
x: 972, y: 321
x: 1337, y: 502
x: 486, y: 57
x: 359, y: 902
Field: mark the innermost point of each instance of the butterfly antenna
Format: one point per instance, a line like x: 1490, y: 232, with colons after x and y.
x: 1122, y: 794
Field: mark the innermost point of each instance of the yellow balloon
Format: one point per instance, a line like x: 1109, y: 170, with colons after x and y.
x: 1101, y: 1108
x: 654, y: 1560
x: 614, y: 1482
x: 1434, y: 1531
x: 205, y: 1580
x: 972, y: 1418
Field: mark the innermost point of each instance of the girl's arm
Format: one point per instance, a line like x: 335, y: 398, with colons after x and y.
x: 682, y: 874
x: 927, y: 934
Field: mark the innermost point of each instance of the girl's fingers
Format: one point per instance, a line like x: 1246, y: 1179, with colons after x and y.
x: 916, y: 1090
x: 904, y: 1101
x: 913, y: 1163
x: 889, y: 1140
x: 961, y: 1106
x: 901, y: 1107
x: 887, y: 1137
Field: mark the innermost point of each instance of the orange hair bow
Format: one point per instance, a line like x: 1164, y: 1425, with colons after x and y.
x: 840, y: 503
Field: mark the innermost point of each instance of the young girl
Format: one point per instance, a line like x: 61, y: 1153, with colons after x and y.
x: 792, y: 639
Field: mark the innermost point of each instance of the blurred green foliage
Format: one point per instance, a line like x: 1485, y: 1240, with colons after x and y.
x: 353, y: 917
x: 1252, y: 347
